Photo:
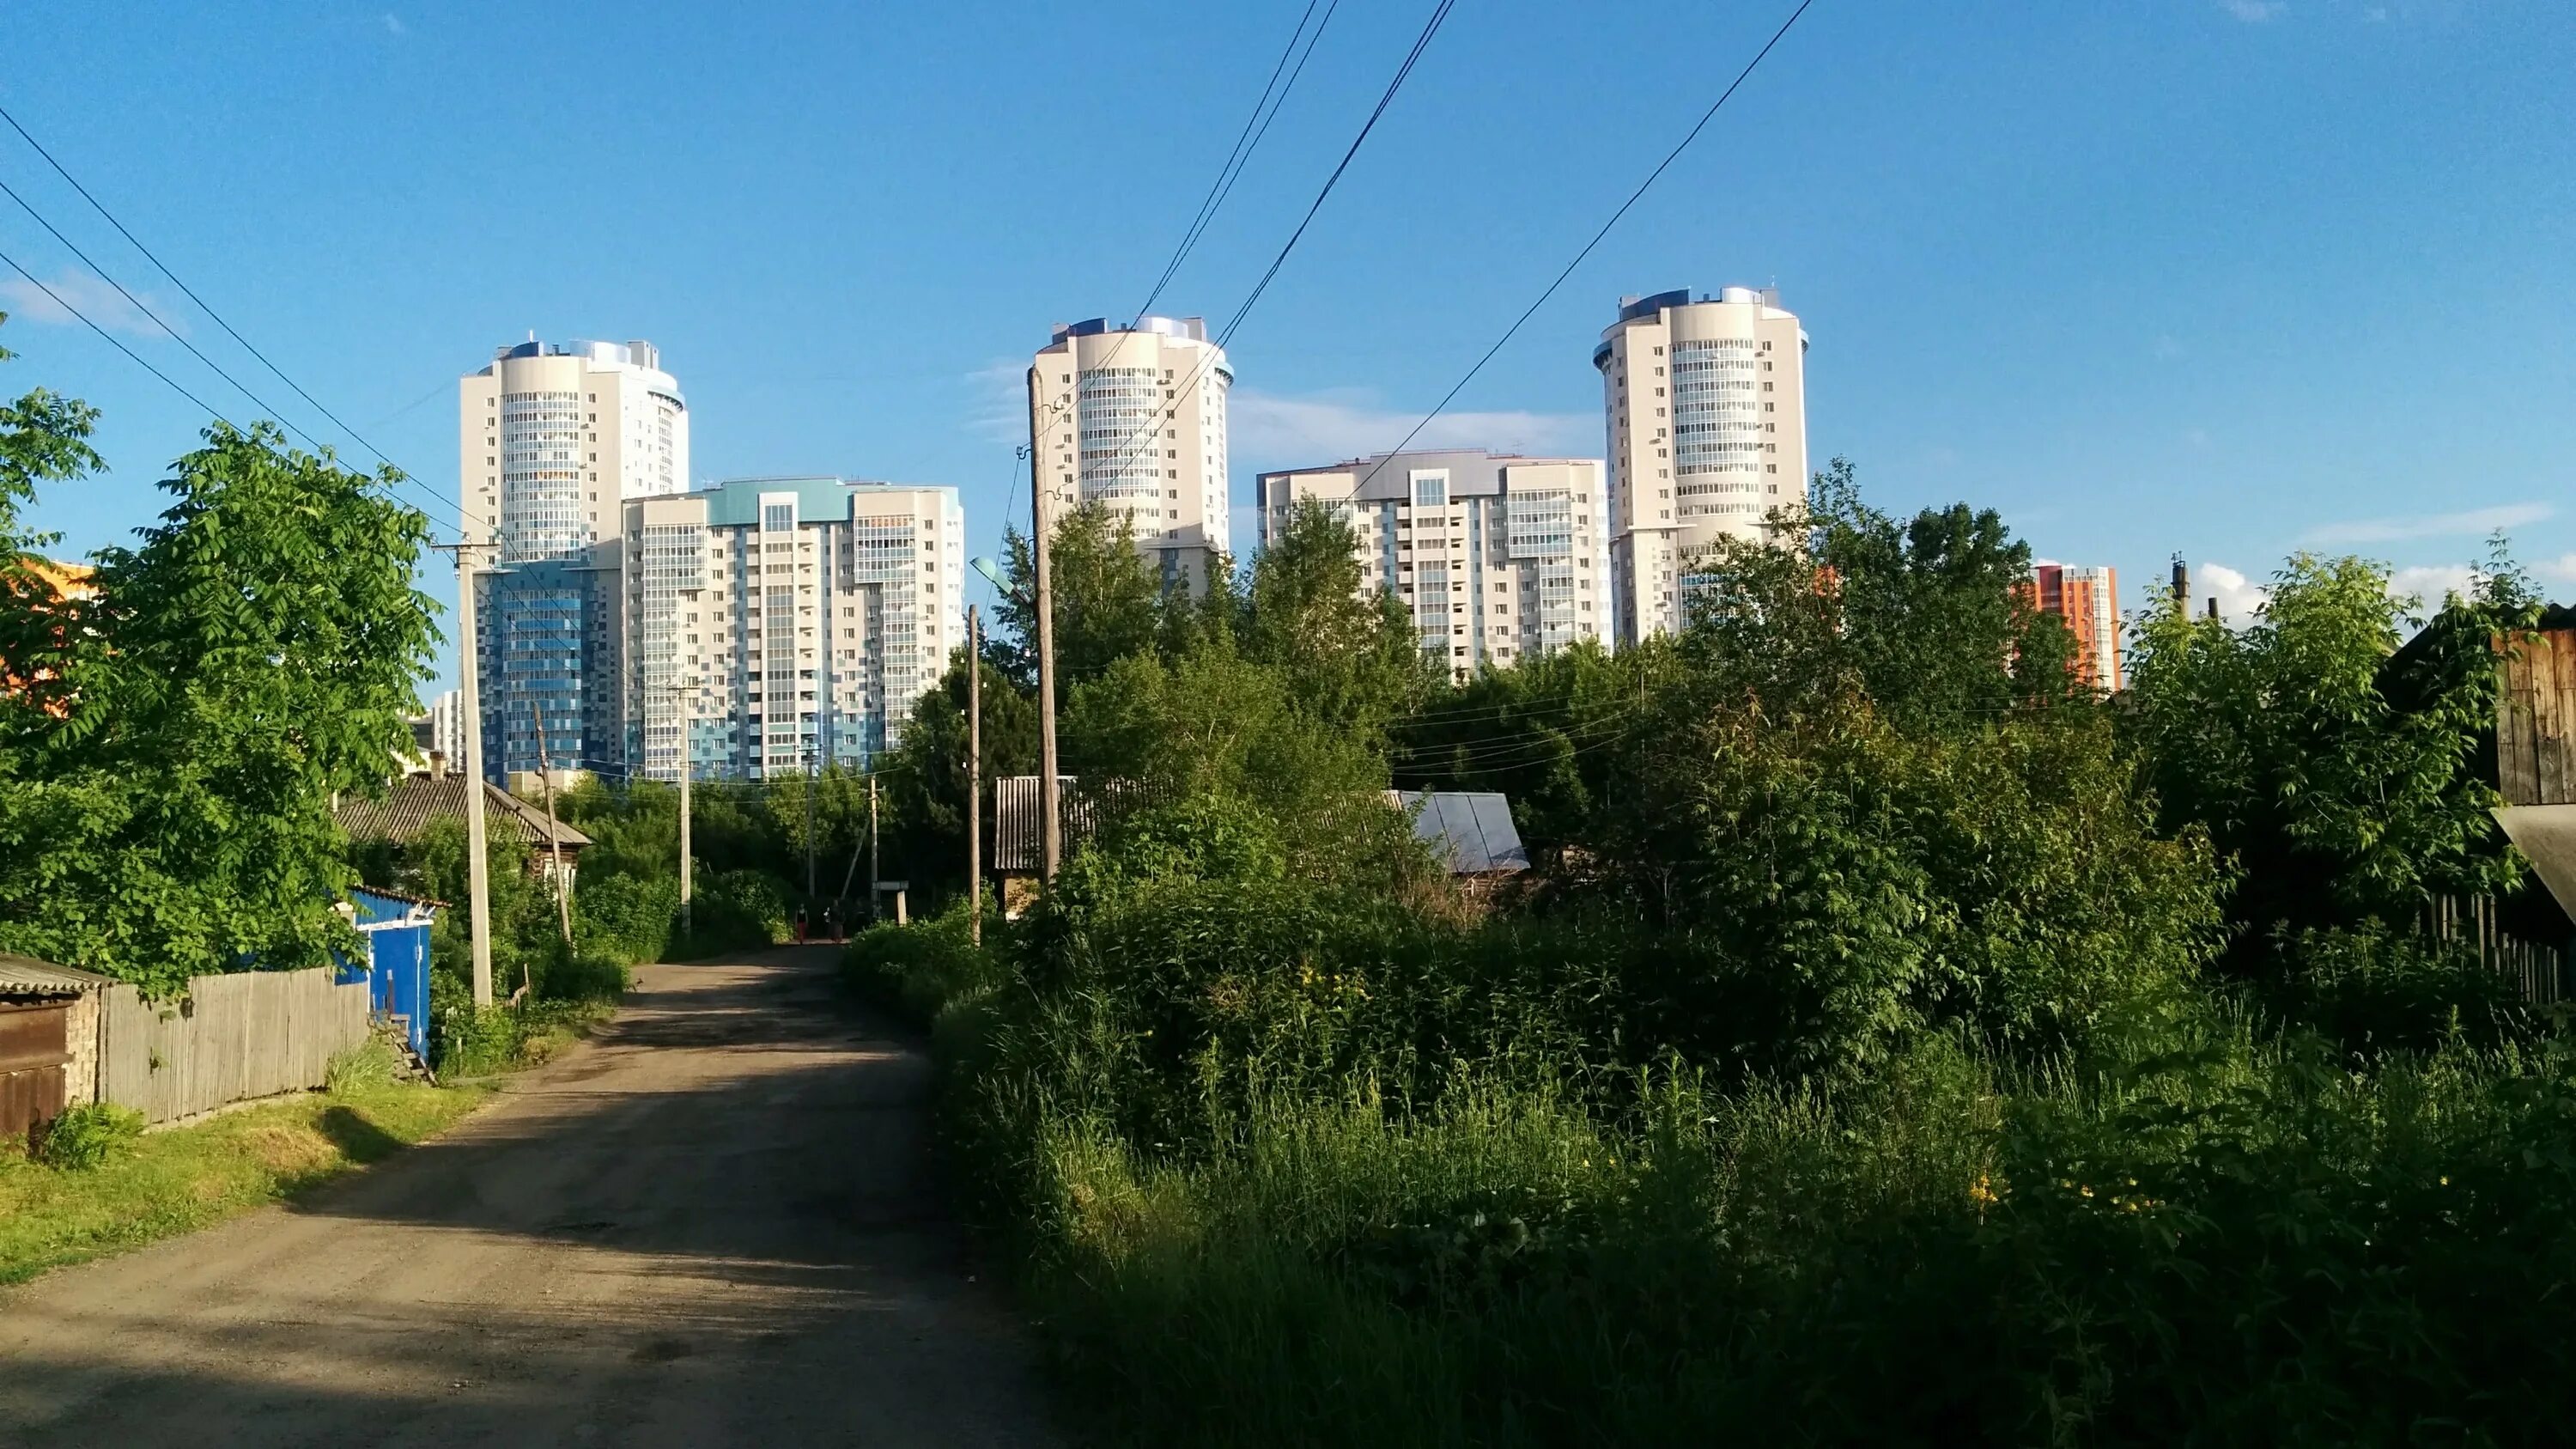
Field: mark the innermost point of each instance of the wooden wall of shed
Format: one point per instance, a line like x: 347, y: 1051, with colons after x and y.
x: 2536, y: 719
x: 250, y: 1034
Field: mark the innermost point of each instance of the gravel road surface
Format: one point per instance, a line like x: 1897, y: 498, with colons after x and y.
x: 712, y: 1225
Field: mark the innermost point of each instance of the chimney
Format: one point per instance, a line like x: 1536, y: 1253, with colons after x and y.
x: 2181, y: 586
x: 2213, y: 608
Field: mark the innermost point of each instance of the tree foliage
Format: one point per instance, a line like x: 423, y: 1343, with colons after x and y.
x: 2339, y: 771
x: 256, y: 652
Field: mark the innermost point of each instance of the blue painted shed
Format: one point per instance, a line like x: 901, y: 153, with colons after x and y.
x: 397, y: 968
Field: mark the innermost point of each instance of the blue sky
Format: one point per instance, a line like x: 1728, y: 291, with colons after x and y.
x: 2224, y: 278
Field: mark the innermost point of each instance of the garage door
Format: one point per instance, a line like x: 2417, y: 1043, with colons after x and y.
x: 34, y: 1051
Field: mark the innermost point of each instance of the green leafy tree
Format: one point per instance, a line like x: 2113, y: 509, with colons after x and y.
x: 44, y: 438
x: 1923, y: 617
x: 924, y: 775
x: 258, y: 651
x: 1214, y: 723
x: 1349, y: 655
x: 1546, y: 731
x: 1108, y: 603
x: 2340, y: 772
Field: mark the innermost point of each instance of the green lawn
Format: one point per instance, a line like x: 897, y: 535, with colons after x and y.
x: 178, y: 1181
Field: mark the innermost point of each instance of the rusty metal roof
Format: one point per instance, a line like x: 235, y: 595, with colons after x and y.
x: 415, y: 800
x: 26, y: 973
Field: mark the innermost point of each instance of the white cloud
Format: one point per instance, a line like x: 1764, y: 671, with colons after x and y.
x: 2196, y: 437
x: 2429, y: 584
x: 2168, y: 346
x: 2474, y: 522
x: 2561, y: 568
x: 86, y: 293
x: 2255, y: 12
x: 394, y: 25
x: 2239, y: 598
x: 1270, y: 429
x: 1000, y: 406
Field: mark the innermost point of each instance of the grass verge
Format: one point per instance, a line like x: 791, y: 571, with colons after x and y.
x: 177, y: 1181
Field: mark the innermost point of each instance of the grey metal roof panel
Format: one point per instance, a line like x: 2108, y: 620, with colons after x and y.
x: 1472, y: 829
x: 26, y: 973
x: 1503, y: 848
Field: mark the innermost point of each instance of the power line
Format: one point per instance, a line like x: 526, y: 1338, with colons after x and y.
x: 1422, y: 42
x: 201, y: 302
x: 1245, y: 143
x: 1255, y: 126
x: 157, y: 320
x: 203, y: 405
x: 1633, y: 197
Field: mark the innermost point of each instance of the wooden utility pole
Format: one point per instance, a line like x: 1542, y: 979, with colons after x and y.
x: 478, y: 883
x: 554, y: 831
x: 688, y: 719
x: 1050, y: 820
x: 974, y: 778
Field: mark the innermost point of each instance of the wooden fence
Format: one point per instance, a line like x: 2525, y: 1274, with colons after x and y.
x: 2538, y: 971
x: 250, y: 1034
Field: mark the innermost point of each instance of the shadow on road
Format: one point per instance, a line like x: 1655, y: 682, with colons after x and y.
x: 715, y: 1224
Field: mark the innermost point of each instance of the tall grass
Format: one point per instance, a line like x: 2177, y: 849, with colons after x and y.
x: 2241, y: 1245
x: 2192, y: 1230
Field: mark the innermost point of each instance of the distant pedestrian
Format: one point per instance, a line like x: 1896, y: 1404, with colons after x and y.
x: 800, y: 925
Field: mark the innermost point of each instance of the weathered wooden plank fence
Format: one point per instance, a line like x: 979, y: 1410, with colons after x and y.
x: 250, y: 1034
x: 2538, y: 971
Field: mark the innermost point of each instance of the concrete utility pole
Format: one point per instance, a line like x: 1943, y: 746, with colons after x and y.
x: 478, y: 884
x: 876, y: 865
x: 554, y: 831
x: 974, y: 778
x: 813, y: 780
x: 1050, y: 818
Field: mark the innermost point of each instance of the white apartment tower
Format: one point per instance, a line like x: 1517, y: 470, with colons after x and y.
x: 1134, y: 418
x: 1496, y: 557
x: 1706, y: 404
x: 553, y: 439
x: 781, y: 624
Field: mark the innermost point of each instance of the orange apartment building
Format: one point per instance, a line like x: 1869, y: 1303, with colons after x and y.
x: 2088, y: 599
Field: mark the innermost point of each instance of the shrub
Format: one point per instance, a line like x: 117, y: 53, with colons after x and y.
x: 734, y: 909
x: 2376, y: 990
x: 86, y: 1135
x: 921, y: 969
x: 623, y: 916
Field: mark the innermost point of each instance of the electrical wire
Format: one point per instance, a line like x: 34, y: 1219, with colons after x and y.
x: 1245, y: 143
x: 1633, y: 197
x: 202, y: 304
x: 157, y: 319
x: 1153, y: 431
x: 209, y: 408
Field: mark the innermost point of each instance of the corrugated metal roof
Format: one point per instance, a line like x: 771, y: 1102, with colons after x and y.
x: 26, y: 973
x: 1472, y: 829
x: 415, y: 800
x: 1017, y: 822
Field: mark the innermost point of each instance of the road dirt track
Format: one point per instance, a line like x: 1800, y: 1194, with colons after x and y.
x: 713, y: 1225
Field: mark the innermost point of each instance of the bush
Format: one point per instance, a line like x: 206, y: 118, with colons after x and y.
x: 921, y: 969
x: 622, y: 916
x: 734, y: 909
x: 86, y: 1135
x: 2376, y: 990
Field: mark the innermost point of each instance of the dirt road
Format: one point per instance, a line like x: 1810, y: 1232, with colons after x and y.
x: 713, y: 1225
